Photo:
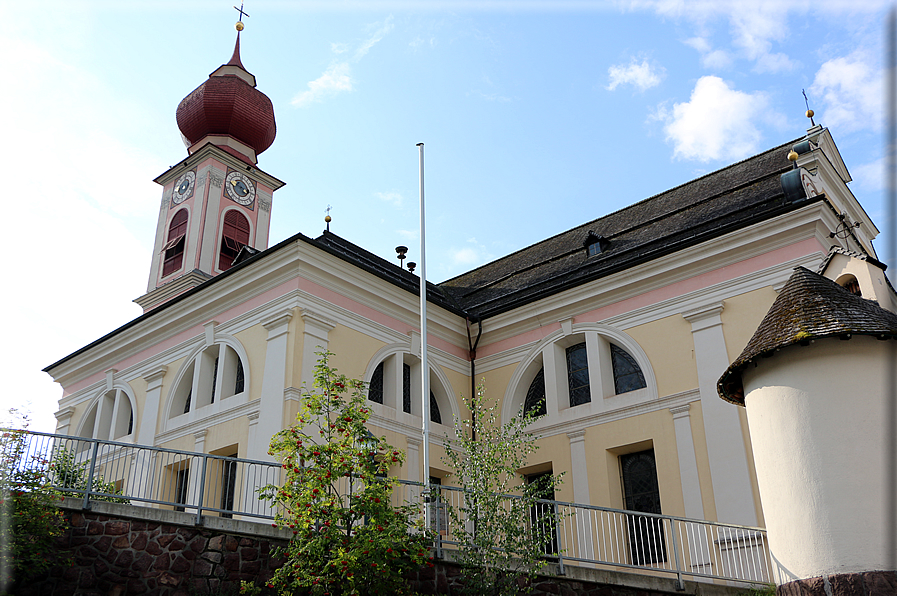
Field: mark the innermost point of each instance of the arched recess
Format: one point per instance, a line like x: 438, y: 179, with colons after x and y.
x: 850, y: 283
x: 111, y: 416
x: 213, y: 378
x: 393, y: 359
x: 176, y: 241
x: 235, y: 233
x: 551, y: 351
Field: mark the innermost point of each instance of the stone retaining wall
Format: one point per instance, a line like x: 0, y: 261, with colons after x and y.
x: 118, y: 550
x: 114, y: 556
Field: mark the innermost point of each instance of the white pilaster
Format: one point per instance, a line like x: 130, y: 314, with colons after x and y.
x: 315, y: 338
x: 64, y: 420
x: 195, y: 474
x: 146, y: 431
x: 412, y: 463
x: 688, y: 464
x: 271, y: 400
x: 581, y: 490
x: 732, y: 491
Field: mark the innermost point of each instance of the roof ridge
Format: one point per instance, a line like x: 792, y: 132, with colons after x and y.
x: 633, y: 205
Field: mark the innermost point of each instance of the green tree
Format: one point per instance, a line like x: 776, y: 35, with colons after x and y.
x: 66, y: 472
x: 503, y: 530
x: 29, y: 519
x: 347, y: 536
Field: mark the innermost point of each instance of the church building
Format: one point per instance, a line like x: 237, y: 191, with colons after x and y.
x: 616, y: 331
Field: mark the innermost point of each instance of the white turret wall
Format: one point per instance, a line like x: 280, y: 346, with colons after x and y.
x: 817, y: 423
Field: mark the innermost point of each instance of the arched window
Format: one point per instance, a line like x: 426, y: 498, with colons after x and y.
x: 215, y: 374
x: 110, y: 418
x: 589, y: 368
x: 535, y: 396
x: 375, y: 388
x: 578, y: 375
x: 173, y: 251
x: 234, y: 236
x: 383, y: 386
x: 627, y: 374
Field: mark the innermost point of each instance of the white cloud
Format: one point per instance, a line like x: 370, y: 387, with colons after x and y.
x: 378, y: 34
x: 717, y: 122
x: 775, y: 63
x: 851, y: 91
x: 869, y: 176
x: 639, y: 74
x: 465, y: 256
x: 390, y: 197
x: 336, y: 79
x: 338, y: 76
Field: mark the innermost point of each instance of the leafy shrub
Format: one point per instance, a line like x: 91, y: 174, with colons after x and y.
x: 347, y: 536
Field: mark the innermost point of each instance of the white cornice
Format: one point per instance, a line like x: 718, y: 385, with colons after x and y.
x: 205, y: 422
x: 581, y: 424
x: 714, y: 254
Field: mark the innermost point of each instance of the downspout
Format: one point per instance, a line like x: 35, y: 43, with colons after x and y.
x: 473, y: 371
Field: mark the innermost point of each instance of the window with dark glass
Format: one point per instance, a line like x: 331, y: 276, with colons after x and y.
x: 173, y: 251
x: 641, y: 493
x: 627, y: 374
x: 542, y: 518
x: 180, y: 487
x: 578, y: 375
x: 406, y: 388
x: 435, y: 416
x: 234, y: 236
x: 375, y: 388
x: 535, y: 396
x: 214, y: 380
x: 228, y: 485
x: 239, y: 380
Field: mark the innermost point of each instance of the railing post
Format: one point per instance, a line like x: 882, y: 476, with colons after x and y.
x: 438, y: 530
x: 202, y: 490
x: 93, y: 464
x: 556, y: 516
x: 674, y: 534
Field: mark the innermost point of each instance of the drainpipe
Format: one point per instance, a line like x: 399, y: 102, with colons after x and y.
x: 473, y: 371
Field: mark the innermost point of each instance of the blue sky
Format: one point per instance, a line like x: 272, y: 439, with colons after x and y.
x: 537, y: 116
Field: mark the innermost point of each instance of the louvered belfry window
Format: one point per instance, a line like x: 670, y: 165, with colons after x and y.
x: 173, y: 251
x: 234, y: 236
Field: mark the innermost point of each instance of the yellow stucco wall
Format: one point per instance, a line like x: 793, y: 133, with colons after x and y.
x: 741, y: 316
x: 674, y: 369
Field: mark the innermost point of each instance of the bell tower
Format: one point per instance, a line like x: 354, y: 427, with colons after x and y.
x: 217, y: 200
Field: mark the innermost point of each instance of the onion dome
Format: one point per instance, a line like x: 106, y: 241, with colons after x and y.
x: 229, y: 112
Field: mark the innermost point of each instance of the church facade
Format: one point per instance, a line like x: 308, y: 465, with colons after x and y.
x: 616, y: 331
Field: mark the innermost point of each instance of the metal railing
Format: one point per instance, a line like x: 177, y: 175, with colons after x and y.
x: 213, y: 485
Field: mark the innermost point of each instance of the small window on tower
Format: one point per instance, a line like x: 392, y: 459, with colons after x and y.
x: 173, y: 251
x: 234, y: 236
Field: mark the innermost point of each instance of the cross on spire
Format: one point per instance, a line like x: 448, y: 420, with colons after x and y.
x: 242, y: 13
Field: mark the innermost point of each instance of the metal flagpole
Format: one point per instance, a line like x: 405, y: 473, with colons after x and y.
x: 424, y: 367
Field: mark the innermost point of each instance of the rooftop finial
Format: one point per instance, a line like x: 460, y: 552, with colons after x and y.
x: 809, y: 111
x: 327, y: 218
x: 239, y: 26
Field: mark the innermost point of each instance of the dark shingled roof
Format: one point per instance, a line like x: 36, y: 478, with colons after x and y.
x: 710, y: 206
x: 385, y: 270
x: 809, y: 306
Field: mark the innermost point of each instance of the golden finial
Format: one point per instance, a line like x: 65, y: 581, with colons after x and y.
x: 240, y: 26
x: 792, y: 155
x: 810, y: 113
x: 327, y: 218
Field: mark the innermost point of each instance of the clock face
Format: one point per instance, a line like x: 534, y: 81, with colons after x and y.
x: 239, y: 188
x: 183, y: 187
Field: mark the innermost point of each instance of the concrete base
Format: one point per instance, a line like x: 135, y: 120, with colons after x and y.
x: 869, y: 583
